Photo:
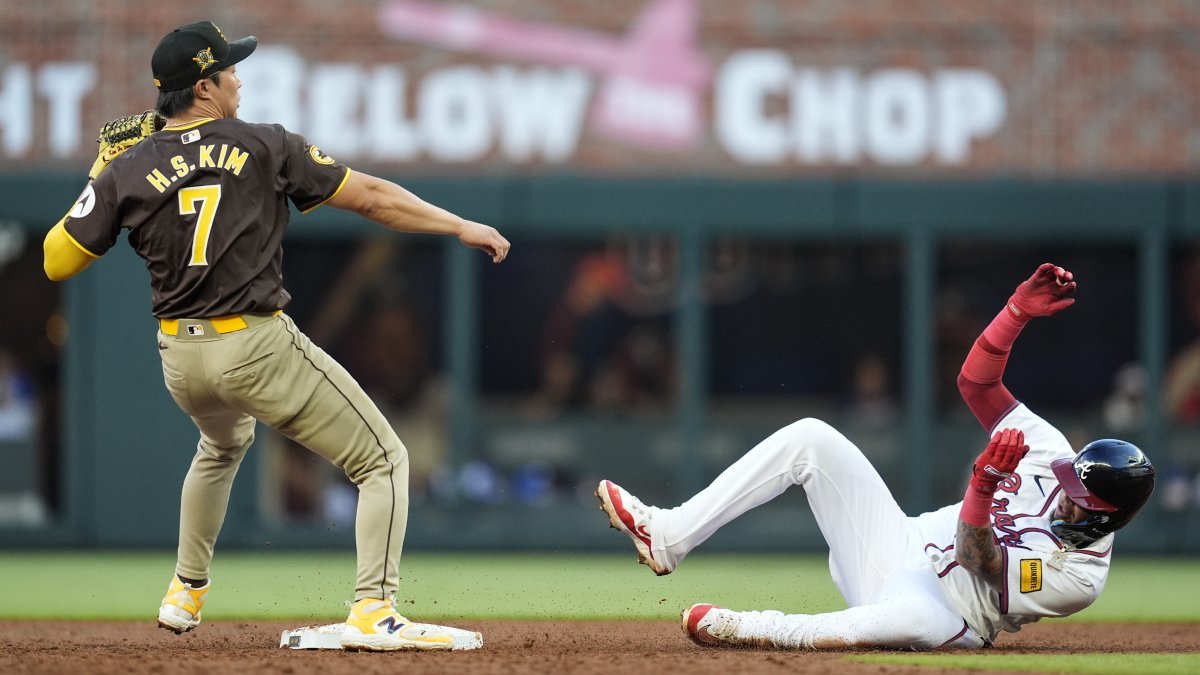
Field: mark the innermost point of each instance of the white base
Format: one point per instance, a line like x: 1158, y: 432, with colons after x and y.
x: 330, y: 637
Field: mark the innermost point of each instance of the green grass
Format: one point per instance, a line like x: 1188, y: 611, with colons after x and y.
x: 313, y: 586
x: 1090, y: 664
x: 1149, y: 590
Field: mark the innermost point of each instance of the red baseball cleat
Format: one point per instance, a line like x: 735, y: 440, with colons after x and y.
x: 711, y: 626
x: 630, y: 516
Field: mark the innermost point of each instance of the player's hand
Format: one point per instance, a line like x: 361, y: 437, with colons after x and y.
x: 122, y: 134
x: 999, y: 460
x: 485, y: 238
x: 1047, y: 292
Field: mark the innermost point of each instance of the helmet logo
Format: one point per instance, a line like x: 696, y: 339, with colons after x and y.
x: 1083, y: 468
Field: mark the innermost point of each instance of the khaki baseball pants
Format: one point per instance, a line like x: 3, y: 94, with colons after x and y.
x: 272, y: 372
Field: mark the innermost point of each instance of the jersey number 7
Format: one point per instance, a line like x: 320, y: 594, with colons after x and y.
x: 209, y: 197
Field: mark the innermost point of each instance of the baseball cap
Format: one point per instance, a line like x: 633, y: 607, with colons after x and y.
x: 193, y: 52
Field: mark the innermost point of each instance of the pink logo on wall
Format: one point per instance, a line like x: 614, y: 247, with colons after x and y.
x: 652, y: 77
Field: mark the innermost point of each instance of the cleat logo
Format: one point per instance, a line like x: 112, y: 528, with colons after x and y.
x: 643, y: 534
x: 391, y: 624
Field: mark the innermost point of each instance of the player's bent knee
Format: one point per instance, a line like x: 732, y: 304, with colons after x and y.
x: 811, y: 426
x: 796, y: 446
x: 389, y: 457
x: 812, y: 434
x: 234, y: 450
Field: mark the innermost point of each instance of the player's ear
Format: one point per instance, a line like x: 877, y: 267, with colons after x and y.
x: 201, y: 91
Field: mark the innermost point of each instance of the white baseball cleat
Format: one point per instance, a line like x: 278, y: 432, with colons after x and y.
x: 711, y: 626
x: 630, y: 516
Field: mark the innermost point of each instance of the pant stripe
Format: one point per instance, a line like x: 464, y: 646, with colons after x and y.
x: 391, y: 467
x: 954, y: 639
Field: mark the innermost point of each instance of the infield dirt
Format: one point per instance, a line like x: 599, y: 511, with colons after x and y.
x: 509, y: 647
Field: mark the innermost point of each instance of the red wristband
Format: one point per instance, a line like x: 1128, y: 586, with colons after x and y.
x: 976, y: 507
x: 1002, y: 332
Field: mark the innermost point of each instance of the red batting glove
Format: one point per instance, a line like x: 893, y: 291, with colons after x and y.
x: 1047, y: 292
x: 997, y: 462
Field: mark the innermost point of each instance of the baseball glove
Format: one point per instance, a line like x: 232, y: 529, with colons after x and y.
x: 122, y: 134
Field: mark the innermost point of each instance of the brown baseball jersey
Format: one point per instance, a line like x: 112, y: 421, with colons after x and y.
x: 206, y: 207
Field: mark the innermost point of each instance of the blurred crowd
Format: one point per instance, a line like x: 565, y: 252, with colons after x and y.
x: 585, y: 331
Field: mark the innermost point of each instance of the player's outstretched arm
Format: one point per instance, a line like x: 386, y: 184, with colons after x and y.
x: 1045, y: 293
x: 975, y: 546
x: 394, y: 207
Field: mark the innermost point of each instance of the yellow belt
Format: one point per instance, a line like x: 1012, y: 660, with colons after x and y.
x: 221, y: 324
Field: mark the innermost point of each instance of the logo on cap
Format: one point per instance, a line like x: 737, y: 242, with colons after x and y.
x: 204, y: 58
x: 193, y: 52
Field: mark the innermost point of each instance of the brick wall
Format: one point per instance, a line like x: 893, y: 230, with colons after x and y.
x: 1092, y: 87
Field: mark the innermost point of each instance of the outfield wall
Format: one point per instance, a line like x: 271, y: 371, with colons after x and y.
x: 892, y: 247
x: 725, y: 216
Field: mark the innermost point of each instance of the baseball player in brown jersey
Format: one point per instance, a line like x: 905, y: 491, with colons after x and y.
x: 205, y: 201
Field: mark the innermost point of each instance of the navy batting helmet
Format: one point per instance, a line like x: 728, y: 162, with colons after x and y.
x: 1111, y: 479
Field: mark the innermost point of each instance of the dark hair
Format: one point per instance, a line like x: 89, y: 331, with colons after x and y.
x: 171, y: 103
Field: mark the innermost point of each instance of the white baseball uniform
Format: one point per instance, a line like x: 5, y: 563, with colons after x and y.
x: 1041, y: 577
x: 897, y: 573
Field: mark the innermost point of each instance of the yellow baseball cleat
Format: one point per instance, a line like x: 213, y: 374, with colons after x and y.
x: 375, y: 625
x: 180, y: 610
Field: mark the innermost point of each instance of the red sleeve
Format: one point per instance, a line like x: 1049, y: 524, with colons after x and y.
x: 981, y: 386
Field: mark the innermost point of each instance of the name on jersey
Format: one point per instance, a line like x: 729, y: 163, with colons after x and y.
x: 228, y: 157
x: 1002, y: 520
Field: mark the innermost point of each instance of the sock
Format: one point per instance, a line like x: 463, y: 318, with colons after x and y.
x: 773, y: 629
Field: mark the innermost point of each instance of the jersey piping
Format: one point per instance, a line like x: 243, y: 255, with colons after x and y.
x: 78, y: 245
x: 188, y: 125
x: 335, y: 192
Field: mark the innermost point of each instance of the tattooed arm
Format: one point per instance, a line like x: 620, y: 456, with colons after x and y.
x: 976, y: 550
x: 975, y: 547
